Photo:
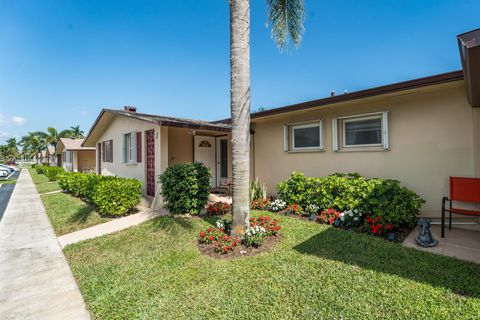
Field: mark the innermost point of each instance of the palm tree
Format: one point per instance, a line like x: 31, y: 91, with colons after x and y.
x: 33, y: 143
x: 75, y: 132
x: 286, y: 18
x: 53, y: 136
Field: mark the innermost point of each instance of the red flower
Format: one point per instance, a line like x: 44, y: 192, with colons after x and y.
x: 202, y: 234
x: 211, y: 238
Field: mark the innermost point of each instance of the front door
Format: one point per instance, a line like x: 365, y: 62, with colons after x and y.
x: 205, y: 153
x: 150, y: 162
x: 222, y: 161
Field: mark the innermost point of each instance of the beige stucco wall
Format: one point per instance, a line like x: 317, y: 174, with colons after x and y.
x: 85, y: 160
x: 180, y: 146
x: 430, y: 133
x: 121, y: 125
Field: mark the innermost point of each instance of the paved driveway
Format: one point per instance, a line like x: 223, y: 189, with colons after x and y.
x: 35, y: 279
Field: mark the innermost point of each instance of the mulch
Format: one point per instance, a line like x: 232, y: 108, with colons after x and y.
x: 240, y: 250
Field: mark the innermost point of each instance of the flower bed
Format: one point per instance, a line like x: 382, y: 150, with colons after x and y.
x: 262, y: 233
x: 219, y: 208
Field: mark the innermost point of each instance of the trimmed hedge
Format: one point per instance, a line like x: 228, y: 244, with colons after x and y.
x: 185, y: 187
x: 111, y: 195
x: 377, y: 197
x: 52, y: 173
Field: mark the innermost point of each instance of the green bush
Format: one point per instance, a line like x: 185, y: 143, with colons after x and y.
x: 185, y: 187
x: 377, y: 197
x: 40, y: 169
x: 116, y: 196
x: 53, y: 173
x: 111, y: 195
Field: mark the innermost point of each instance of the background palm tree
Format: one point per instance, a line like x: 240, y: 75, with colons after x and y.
x: 53, y: 136
x: 76, y: 133
x: 33, y: 143
x: 286, y: 18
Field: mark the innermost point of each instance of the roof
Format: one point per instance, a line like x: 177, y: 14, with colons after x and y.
x: 391, y: 88
x: 469, y: 47
x: 50, y: 149
x: 161, y: 121
x: 71, y: 144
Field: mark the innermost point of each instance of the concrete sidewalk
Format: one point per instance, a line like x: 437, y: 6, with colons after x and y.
x: 35, y: 279
x: 110, y: 227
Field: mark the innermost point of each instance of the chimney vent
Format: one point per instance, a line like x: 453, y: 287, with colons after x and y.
x: 130, y: 109
x: 332, y: 93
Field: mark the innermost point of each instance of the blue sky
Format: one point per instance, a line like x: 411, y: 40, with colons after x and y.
x: 62, y: 61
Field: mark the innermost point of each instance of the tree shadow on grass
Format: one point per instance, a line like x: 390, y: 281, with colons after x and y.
x: 173, y: 225
x: 81, y: 215
x: 378, y: 255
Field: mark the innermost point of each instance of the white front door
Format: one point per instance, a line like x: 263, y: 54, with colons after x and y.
x: 205, y: 153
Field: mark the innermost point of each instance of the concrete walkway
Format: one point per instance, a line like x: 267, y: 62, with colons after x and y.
x: 110, y: 227
x: 35, y: 279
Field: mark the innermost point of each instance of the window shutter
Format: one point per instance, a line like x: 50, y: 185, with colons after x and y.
x: 133, y: 146
x: 110, y: 150
x: 335, y: 134
x: 320, y: 129
x: 124, y: 154
x: 386, y: 144
x: 139, y: 147
x: 285, y: 138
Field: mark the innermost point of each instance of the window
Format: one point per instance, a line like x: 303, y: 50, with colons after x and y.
x: 223, y: 158
x: 107, y: 153
x: 305, y: 136
x: 127, y: 149
x: 131, y: 147
x: 369, y: 131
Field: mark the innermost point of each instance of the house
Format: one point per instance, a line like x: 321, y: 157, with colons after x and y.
x: 41, y: 157
x: 72, y: 156
x: 50, y: 156
x: 141, y: 146
x: 419, y: 131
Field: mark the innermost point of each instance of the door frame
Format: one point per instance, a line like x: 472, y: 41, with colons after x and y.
x: 218, y: 156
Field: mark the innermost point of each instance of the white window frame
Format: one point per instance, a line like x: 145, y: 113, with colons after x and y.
x: 289, y: 136
x: 384, y: 144
x: 129, y: 147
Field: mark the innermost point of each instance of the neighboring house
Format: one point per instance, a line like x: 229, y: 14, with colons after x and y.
x: 141, y: 146
x: 42, y: 157
x: 419, y: 131
x: 50, y: 156
x: 72, y: 156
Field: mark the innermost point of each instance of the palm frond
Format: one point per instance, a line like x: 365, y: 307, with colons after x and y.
x: 286, y: 18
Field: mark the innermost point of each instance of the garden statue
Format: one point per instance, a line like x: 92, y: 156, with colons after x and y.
x: 425, y: 238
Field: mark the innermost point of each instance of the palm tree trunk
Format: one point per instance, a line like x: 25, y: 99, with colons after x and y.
x: 240, y: 111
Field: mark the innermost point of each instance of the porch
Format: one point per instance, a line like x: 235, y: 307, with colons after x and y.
x: 460, y: 243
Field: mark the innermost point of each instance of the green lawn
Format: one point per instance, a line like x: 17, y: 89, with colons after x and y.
x: 13, y: 181
x: 154, y: 271
x: 68, y: 213
x: 41, y: 182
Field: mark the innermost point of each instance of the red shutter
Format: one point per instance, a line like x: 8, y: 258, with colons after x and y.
x: 111, y: 150
x: 139, y: 147
x: 103, y: 153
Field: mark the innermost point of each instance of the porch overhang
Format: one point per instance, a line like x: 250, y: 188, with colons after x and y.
x: 469, y: 46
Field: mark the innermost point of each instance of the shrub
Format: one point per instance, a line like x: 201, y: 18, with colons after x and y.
x: 40, y: 169
x: 53, y: 173
x: 344, y: 192
x: 219, y: 208
x: 116, y: 196
x: 185, y: 187
x: 257, y: 190
x: 396, y: 205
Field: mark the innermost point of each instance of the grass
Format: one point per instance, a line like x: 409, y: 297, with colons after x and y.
x: 66, y: 212
x: 69, y: 214
x: 154, y: 271
x: 42, y: 183
x: 8, y: 181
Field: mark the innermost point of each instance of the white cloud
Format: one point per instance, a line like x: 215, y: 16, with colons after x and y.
x: 19, y: 121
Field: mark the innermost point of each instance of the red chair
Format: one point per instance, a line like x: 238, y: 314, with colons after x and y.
x: 461, y: 189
